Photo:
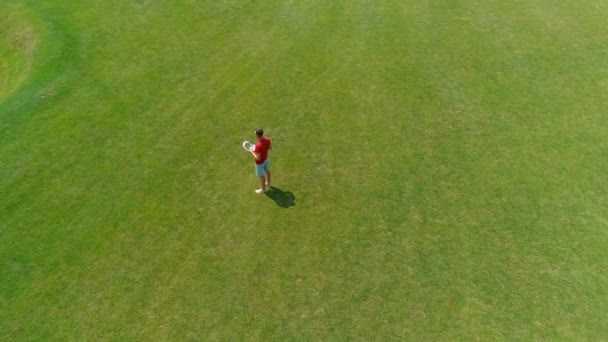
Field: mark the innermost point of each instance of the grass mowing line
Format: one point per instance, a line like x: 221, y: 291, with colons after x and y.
x: 18, y: 44
x: 52, y: 62
x: 52, y: 66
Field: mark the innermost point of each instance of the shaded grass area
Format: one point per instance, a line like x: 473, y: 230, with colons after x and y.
x: 439, y: 171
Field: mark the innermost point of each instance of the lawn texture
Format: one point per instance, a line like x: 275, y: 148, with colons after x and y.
x: 439, y: 168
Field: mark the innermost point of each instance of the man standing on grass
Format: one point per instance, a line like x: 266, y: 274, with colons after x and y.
x: 260, y: 153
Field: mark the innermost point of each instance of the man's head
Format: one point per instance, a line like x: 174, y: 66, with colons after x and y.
x: 259, y: 132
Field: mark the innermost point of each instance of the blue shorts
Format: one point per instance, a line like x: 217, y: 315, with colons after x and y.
x: 260, y: 169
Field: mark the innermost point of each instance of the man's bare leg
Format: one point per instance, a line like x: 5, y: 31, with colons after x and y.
x: 263, y: 184
x: 268, y: 178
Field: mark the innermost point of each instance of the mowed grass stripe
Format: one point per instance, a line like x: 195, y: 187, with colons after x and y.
x: 446, y: 160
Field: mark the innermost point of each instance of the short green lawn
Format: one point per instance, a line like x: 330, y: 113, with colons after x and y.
x: 17, y: 47
x: 440, y: 170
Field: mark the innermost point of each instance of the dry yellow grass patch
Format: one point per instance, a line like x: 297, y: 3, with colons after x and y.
x: 18, y: 42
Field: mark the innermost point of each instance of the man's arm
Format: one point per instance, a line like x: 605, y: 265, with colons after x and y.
x: 257, y: 156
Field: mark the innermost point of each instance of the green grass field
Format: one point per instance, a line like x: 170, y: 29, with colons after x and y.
x: 441, y: 170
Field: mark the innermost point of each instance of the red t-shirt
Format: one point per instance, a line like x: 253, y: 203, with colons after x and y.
x: 262, y: 147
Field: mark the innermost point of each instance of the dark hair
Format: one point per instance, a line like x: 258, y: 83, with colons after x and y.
x: 259, y: 132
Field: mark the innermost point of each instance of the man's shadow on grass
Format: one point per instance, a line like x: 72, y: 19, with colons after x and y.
x: 283, y: 199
